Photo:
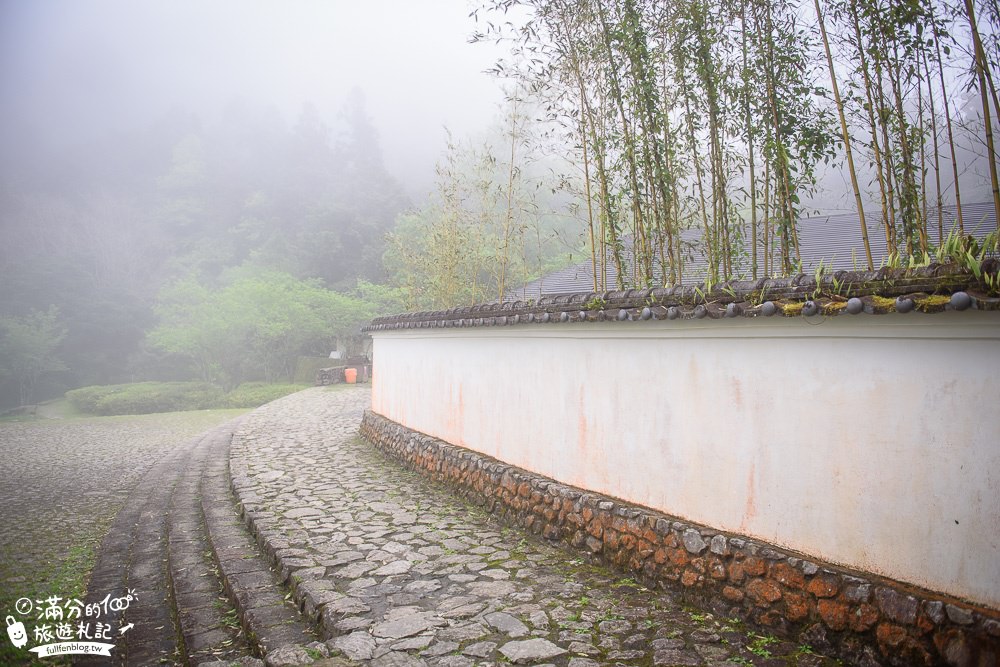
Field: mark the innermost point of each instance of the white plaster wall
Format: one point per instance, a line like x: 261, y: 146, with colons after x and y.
x: 868, y: 441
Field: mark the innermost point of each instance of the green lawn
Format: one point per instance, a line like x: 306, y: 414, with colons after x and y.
x: 54, y: 550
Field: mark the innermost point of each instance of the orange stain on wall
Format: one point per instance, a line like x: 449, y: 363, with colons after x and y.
x: 751, y: 507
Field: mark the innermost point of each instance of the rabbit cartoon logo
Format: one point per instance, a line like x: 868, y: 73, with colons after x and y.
x: 15, y: 630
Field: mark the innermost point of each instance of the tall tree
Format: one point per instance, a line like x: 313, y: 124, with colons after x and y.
x: 29, y: 349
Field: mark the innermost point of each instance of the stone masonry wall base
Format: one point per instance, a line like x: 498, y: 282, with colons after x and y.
x: 862, y: 618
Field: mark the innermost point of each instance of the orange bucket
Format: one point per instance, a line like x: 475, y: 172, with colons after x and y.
x: 350, y: 375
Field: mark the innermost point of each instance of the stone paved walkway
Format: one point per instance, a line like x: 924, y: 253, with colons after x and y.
x: 200, y: 591
x: 396, y: 571
x: 61, y: 484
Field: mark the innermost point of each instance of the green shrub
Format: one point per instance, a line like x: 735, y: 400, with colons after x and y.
x: 86, y: 399
x: 145, y: 397
x: 253, y: 394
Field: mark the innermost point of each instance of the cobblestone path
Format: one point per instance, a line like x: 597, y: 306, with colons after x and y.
x: 397, y: 571
x: 203, y: 593
x: 63, y: 482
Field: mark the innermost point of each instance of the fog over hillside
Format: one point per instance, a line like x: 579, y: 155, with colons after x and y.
x: 155, y: 146
x: 212, y: 189
x: 73, y: 72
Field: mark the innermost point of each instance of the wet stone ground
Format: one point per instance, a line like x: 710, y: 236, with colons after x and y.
x: 398, y: 571
x: 63, y: 481
x: 61, y: 484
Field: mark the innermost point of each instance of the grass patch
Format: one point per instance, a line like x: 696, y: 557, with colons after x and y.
x: 60, y: 408
x: 231, y: 620
x: 66, y: 579
x: 758, y: 646
x: 19, y: 418
x: 343, y: 386
x: 254, y: 394
x: 54, y: 554
x: 145, y: 397
x: 732, y: 625
x: 70, y: 577
x: 155, y: 397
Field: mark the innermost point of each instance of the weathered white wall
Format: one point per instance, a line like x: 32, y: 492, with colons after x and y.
x: 869, y: 441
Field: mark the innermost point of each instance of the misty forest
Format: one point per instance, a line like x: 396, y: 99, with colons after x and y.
x: 221, y: 247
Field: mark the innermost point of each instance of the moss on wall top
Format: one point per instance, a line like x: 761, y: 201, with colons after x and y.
x: 931, y: 289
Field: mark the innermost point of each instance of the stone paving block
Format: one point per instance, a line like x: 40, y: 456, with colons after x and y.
x: 206, y: 639
x: 480, y: 649
x: 454, y: 661
x: 421, y: 573
x: 241, y: 562
x: 351, y: 623
x: 264, y: 617
x: 253, y: 580
x: 155, y: 652
x: 191, y: 551
x: 203, y: 618
x: 507, y: 624
x: 530, y: 650
x: 149, y: 548
x: 412, y: 643
x: 186, y: 521
x: 407, y: 625
x: 358, y: 645
x: 277, y: 636
x: 675, y: 658
x: 463, y: 632
x: 397, y: 659
x: 148, y: 604
x: 108, y: 582
x: 334, y: 610
x: 186, y: 583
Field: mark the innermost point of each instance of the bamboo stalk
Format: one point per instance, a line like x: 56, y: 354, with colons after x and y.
x: 847, y: 138
x: 982, y: 67
x: 948, y: 125
x: 937, y: 151
x: 750, y: 143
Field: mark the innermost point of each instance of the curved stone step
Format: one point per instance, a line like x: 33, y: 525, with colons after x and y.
x: 132, y: 561
x: 271, y: 623
x: 158, y: 550
x: 207, y: 620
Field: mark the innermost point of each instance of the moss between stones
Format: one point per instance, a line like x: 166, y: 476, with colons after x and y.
x: 834, y: 307
x: 792, y: 309
x: 883, y: 304
x: 935, y: 302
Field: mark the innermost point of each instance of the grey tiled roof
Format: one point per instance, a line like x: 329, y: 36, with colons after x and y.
x: 936, y: 288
